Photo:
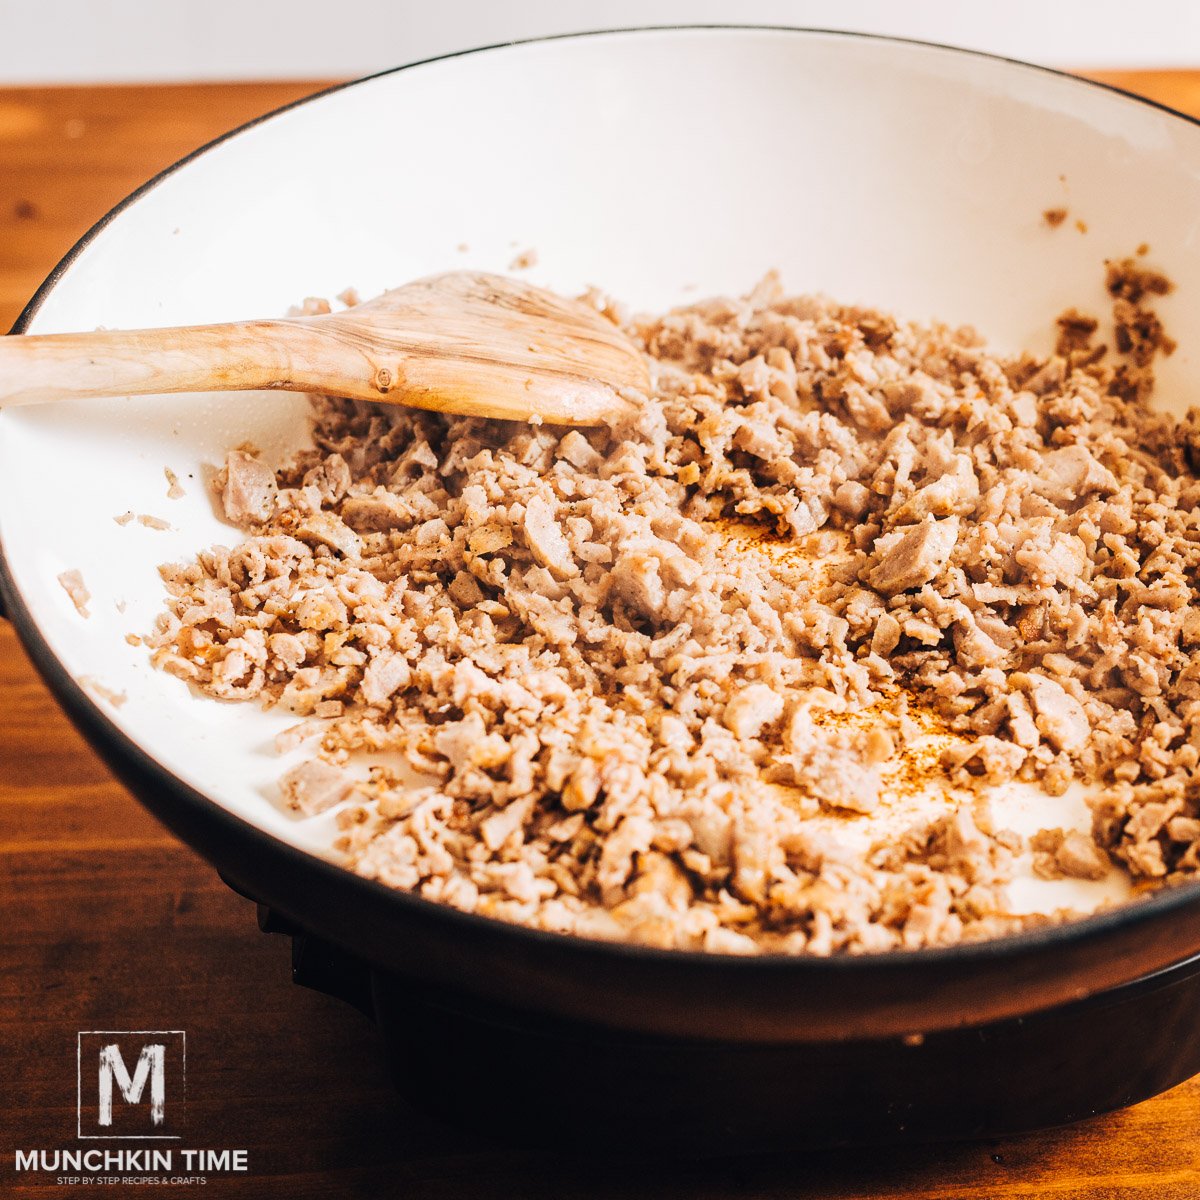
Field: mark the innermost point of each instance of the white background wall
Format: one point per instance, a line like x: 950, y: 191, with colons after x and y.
x: 100, y: 40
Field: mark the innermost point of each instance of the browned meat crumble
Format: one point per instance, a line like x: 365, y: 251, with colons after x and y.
x: 115, y: 698
x: 72, y: 583
x: 624, y: 721
x: 524, y: 261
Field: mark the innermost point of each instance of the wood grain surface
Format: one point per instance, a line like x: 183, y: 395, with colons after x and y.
x: 106, y: 921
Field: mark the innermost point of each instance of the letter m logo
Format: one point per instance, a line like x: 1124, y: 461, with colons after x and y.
x: 151, y: 1065
x: 131, y: 1083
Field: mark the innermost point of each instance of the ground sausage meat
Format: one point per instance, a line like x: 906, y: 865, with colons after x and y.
x: 620, y: 721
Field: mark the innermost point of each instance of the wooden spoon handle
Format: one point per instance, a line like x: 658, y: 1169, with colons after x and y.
x: 35, y: 369
x: 462, y: 343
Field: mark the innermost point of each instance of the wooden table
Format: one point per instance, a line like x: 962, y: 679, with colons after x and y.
x: 108, y: 922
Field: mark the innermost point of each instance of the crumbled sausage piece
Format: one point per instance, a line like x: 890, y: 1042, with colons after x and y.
x: 914, y: 557
x: 837, y: 768
x: 328, y: 530
x: 635, y: 579
x: 576, y: 449
x: 1080, y: 857
x: 1126, y: 279
x: 376, y: 513
x: 1066, y: 475
x: 115, y: 698
x: 954, y: 492
x: 1069, y: 853
x: 385, y: 675
x: 248, y: 488
x: 1075, y: 330
x: 1058, y: 715
x: 72, y: 583
x: 314, y: 786
x: 546, y: 540
x: 752, y: 708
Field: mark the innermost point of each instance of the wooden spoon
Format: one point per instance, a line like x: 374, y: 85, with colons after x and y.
x: 463, y: 342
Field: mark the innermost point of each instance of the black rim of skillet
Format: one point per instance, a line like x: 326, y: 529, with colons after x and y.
x: 227, y: 839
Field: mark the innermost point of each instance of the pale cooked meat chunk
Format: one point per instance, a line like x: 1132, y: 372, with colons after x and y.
x: 1070, y: 473
x: 1059, y: 717
x: 314, y: 786
x: 1062, y: 853
x: 752, y: 708
x: 838, y: 768
x: 248, y: 489
x: 72, y: 583
x: 386, y: 673
x: 913, y: 557
x: 325, y: 529
x: 1080, y: 857
x: 546, y: 540
x: 376, y: 512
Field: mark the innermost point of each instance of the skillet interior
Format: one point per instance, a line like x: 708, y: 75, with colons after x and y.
x: 896, y: 174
